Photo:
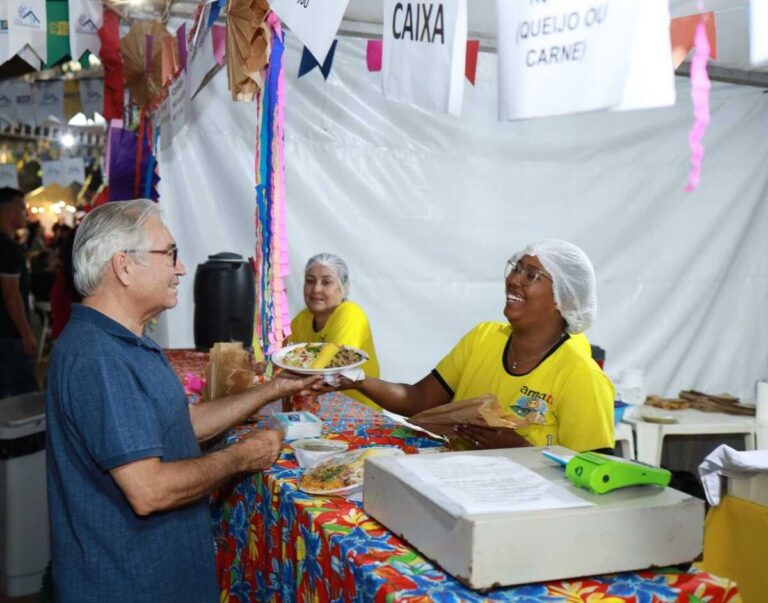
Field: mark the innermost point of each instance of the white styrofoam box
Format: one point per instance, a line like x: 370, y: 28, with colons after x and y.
x: 753, y: 488
x: 298, y: 424
x: 627, y: 529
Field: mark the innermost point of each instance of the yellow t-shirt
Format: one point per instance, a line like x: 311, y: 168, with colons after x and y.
x: 572, y: 398
x: 348, y: 325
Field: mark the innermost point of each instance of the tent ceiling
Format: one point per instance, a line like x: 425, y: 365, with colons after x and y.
x: 363, y: 18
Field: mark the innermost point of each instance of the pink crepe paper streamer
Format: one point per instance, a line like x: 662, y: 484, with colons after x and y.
x: 700, y: 86
x: 193, y: 384
x: 373, y: 54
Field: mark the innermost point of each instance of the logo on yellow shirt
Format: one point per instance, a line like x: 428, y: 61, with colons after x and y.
x: 532, y: 405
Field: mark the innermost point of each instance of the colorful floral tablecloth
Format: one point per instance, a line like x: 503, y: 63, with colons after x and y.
x: 275, y: 543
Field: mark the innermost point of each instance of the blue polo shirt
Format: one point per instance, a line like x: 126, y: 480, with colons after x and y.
x: 112, y: 399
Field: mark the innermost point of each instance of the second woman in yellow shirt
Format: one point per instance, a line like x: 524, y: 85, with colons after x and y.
x: 330, y: 317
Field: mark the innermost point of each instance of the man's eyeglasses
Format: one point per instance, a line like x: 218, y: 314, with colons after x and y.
x: 529, y: 274
x: 172, y: 252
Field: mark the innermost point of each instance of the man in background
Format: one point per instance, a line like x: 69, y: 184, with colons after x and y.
x: 18, y: 345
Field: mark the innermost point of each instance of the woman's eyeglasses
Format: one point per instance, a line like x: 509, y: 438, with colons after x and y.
x: 171, y: 252
x: 529, y: 274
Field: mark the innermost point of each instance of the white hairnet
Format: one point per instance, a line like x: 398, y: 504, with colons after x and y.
x: 573, y: 280
x: 335, y: 263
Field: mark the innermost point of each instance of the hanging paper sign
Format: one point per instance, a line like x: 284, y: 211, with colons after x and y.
x: 85, y: 19
x: 650, y: 80
x: 563, y: 57
x: 162, y: 123
x: 315, y: 22
x: 92, y: 96
x: 179, y: 101
x: 49, y: 101
x: 53, y: 171
x: 24, y: 102
x: 201, y: 63
x: 4, y: 54
x: 27, y: 25
x: 425, y: 52
x: 758, y: 32
x: 8, y: 175
x: 72, y: 170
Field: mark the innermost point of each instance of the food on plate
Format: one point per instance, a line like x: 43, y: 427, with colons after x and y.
x: 343, y: 471
x: 321, y: 356
x: 326, y: 355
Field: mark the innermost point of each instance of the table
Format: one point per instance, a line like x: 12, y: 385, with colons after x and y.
x: 650, y: 436
x: 275, y: 543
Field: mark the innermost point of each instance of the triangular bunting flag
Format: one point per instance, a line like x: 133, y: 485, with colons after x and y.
x: 308, y: 62
x: 58, y: 32
x: 373, y: 54
x: 683, y: 33
x: 470, y: 65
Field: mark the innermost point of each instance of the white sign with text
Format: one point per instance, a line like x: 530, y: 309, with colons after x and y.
x: 758, y: 32
x: 568, y: 56
x: 315, y: 22
x: 424, y: 53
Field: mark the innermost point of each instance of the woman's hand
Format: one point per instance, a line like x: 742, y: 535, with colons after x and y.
x: 484, y: 438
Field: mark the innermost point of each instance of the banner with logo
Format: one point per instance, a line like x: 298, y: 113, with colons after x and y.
x: 27, y: 25
x: 315, y: 22
x: 567, y: 57
x: 73, y: 170
x: 49, y: 101
x: 53, y: 171
x: 23, y: 102
x: 63, y: 171
x: 92, y: 96
x: 4, y: 55
x: 7, y: 103
x: 85, y: 19
x: 424, y: 53
x: 8, y: 175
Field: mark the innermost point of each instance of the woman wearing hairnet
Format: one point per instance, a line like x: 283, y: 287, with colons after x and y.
x: 330, y: 317
x: 537, y: 364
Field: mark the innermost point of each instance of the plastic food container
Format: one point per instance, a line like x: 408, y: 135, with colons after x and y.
x: 310, y: 451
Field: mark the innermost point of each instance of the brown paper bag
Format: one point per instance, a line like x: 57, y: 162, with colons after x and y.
x: 485, y: 411
x: 229, y: 370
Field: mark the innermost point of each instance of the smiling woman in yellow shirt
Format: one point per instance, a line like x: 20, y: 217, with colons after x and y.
x: 537, y: 364
x: 330, y: 318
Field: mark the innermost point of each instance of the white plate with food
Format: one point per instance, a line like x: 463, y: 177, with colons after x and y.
x: 318, y: 358
x: 342, y: 474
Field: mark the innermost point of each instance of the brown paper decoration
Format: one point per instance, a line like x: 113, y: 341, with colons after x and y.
x: 229, y: 371
x: 143, y: 75
x: 247, y: 46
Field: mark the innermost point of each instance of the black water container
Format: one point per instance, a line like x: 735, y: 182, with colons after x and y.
x: 225, y: 297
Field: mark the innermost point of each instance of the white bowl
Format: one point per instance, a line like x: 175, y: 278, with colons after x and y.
x: 310, y: 451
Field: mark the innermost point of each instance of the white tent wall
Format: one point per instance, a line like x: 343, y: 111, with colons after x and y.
x: 426, y: 209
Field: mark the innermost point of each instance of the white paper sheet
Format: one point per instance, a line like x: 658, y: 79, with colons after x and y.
x: 478, y: 484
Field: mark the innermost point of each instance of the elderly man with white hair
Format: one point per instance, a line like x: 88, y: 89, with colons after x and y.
x: 127, y: 482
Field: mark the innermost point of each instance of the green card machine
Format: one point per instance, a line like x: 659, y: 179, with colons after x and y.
x: 601, y: 473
